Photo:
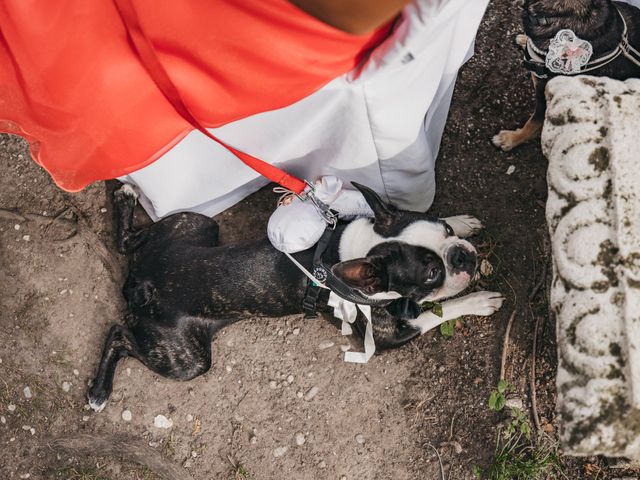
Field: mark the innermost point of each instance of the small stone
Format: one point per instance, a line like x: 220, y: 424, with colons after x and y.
x: 66, y: 386
x: 189, y: 417
x: 322, y: 464
x: 514, y: 403
x: 312, y: 392
x: 486, y: 269
x: 2, y: 419
x: 26, y: 428
x: 32, y: 431
x: 296, y: 331
x: 76, y: 372
x: 25, y: 475
x: 511, y: 169
x: 103, y: 210
x: 85, y: 418
x: 345, y: 348
x: 27, y: 392
x: 253, y: 440
x: 228, y: 368
x: 26, y: 238
x: 360, y: 439
x: 160, y: 421
x: 11, y: 407
x: 280, y: 451
x: 126, y: 415
x: 16, y: 226
x: 290, y: 379
x: 300, y: 439
x: 299, y: 394
x: 325, y: 344
x: 273, y: 384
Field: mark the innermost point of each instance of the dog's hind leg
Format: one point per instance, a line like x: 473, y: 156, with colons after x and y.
x: 128, y: 238
x: 464, y: 225
x: 120, y: 343
x: 510, y: 139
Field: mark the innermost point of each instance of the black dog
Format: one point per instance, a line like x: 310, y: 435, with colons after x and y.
x: 183, y: 287
x: 612, y: 28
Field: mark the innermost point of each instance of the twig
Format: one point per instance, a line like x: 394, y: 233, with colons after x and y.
x: 439, y: 460
x: 536, y: 328
x: 505, y: 345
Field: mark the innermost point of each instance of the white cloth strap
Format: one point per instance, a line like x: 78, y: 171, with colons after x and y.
x: 348, y: 312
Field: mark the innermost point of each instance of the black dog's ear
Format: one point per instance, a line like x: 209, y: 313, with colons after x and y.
x: 360, y: 273
x: 384, y: 213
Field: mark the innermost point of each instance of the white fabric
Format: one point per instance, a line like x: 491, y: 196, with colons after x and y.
x: 297, y: 225
x: 348, y: 312
x: 380, y: 125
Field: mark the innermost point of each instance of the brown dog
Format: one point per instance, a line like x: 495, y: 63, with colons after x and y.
x: 612, y: 29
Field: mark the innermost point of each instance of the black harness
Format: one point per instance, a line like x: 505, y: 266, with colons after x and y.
x: 403, y: 308
x: 535, y: 58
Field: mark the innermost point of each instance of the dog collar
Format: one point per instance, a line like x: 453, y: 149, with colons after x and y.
x: 543, y: 64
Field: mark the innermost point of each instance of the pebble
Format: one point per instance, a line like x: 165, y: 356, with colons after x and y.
x: 290, y: 379
x: 326, y: 344
x: 228, y: 368
x: 85, y: 418
x: 25, y: 475
x: 66, y: 386
x: 27, y: 392
x: 103, y: 210
x: 76, y: 372
x: 296, y: 331
x: 360, y: 439
x: 511, y: 169
x: 300, y: 439
x: 345, y: 348
x: 322, y: 464
x: 11, y: 407
x: 273, y: 384
x: 126, y: 415
x: 514, y: 403
x: 16, y: 226
x: 189, y: 417
x: 280, y: 451
x: 312, y: 392
x: 160, y: 421
x: 299, y: 394
x: 3, y: 420
x: 26, y: 238
x: 253, y: 440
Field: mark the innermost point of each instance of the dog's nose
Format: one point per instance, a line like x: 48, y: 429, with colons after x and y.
x: 462, y: 259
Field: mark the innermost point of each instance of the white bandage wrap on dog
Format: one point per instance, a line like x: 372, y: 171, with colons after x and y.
x: 348, y: 312
x: 296, y: 225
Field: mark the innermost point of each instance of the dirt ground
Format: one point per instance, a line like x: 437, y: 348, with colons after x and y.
x: 250, y: 416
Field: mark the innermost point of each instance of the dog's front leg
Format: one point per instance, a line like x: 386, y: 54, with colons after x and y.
x: 510, y: 139
x: 481, y: 304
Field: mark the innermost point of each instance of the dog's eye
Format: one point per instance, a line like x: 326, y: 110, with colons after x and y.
x: 448, y: 228
x: 432, y: 274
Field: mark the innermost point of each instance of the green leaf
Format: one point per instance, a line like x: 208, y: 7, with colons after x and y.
x: 437, y: 309
x: 477, y: 472
x: 447, y: 328
x: 496, y: 401
x: 502, y: 386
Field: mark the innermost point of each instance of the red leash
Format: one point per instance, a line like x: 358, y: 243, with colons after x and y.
x: 149, y: 59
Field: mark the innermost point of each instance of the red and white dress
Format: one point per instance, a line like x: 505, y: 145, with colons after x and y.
x: 266, y: 77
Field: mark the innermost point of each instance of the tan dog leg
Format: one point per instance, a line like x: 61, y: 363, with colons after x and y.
x: 509, y: 139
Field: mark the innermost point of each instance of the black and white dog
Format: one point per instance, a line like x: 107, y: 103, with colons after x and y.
x: 183, y: 287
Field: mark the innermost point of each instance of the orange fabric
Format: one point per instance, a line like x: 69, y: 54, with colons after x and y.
x: 72, y: 85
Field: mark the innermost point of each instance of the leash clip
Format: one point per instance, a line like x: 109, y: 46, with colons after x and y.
x: 328, y: 215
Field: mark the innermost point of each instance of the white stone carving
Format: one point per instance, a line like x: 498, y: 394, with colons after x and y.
x: 592, y: 140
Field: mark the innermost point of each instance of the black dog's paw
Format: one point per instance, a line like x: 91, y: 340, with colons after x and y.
x: 97, y: 399
x: 125, y: 192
